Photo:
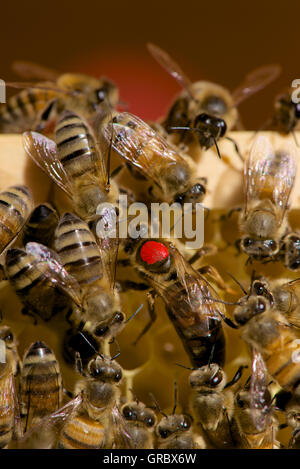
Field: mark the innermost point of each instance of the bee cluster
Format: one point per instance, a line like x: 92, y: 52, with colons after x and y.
x: 110, y: 327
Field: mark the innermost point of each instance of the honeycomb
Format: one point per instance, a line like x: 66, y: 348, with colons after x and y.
x: 151, y: 364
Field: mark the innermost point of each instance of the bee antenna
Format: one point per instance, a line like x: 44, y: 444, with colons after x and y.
x: 132, y: 316
x: 118, y: 352
x: 115, y: 356
x: 216, y: 145
x: 218, y: 300
x: 157, y: 405
x: 134, y: 396
x: 91, y: 345
x: 175, y: 397
x: 237, y: 282
x: 186, y: 367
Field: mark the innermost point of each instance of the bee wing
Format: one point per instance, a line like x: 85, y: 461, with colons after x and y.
x: 140, y: 145
x: 198, y: 292
x: 255, y: 81
x: 46, y: 86
x: 43, y: 152
x: 9, y: 406
x: 259, y: 404
x: 55, y: 271
x: 170, y: 66
x: 44, y: 434
x: 121, y: 436
x: 29, y: 70
x: 34, y: 371
x: 270, y: 174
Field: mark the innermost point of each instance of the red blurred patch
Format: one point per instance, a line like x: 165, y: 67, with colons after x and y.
x: 153, y: 251
x: 146, y: 88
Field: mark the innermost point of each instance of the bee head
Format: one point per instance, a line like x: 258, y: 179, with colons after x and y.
x: 173, y: 425
x: 208, y: 377
x: 139, y: 413
x: 249, y: 307
x: 259, y: 248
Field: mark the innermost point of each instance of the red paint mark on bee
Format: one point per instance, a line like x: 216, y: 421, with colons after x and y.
x: 153, y: 251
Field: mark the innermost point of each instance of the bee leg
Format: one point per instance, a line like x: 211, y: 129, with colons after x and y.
x: 216, y: 277
x: 151, y: 308
x: 130, y: 285
x: 124, y: 262
x: 207, y: 250
x: 68, y: 315
x: 116, y: 171
x: 25, y: 312
x: 78, y: 365
x: 229, y: 214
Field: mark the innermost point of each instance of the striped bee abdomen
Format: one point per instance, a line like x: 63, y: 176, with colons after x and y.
x: 77, y: 248
x: 40, y: 383
x: 75, y: 145
x: 21, y: 111
x: 81, y: 432
x: 15, y: 206
x: 33, y: 285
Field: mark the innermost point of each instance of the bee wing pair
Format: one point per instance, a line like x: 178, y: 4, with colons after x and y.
x: 253, y: 81
x: 138, y: 143
x: 45, y: 434
x: 270, y: 174
x: 9, y: 403
x: 259, y: 403
x: 198, y: 292
x: 54, y: 271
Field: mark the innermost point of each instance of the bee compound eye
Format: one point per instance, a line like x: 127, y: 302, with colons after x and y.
x: 247, y: 242
x: 100, y: 331
x: 150, y: 421
x: 216, y: 379
x: 295, y: 265
x: 127, y: 412
x: 164, y: 433
x: 118, y: 376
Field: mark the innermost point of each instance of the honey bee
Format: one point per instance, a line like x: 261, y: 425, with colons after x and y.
x: 9, y: 366
x: 98, y: 422
x: 100, y: 312
x: 289, y: 403
x: 205, y: 111
x: 140, y: 424
x: 289, y: 252
x: 174, y: 431
x: 38, y: 103
x: 186, y: 294
x: 76, y: 164
x: 286, y: 113
x: 41, y: 225
x: 40, y: 384
x: 40, y: 281
x: 268, y: 329
x: 212, y: 404
x: 254, y: 412
x: 172, y: 175
x: 269, y: 178
x: 15, y: 206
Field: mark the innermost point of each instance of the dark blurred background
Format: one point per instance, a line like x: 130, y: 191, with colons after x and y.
x: 217, y: 41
